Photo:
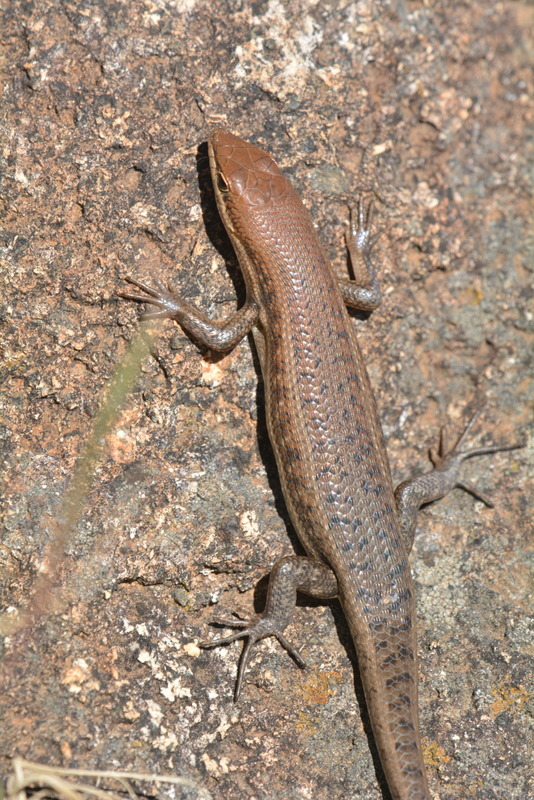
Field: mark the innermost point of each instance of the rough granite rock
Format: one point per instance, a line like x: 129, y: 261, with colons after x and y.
x: 106, y: 107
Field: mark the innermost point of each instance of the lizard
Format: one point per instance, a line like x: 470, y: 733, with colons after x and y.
x: 323, y: 424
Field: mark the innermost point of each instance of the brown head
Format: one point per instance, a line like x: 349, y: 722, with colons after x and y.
x: 268, y: 226
x: 245, y: 178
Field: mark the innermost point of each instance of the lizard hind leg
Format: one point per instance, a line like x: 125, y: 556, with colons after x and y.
x: 415, y: 492
x: 289, y: 575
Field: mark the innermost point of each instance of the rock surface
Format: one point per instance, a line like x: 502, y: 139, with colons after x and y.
x: 106, y: 111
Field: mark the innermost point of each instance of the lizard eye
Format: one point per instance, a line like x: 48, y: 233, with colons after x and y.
x: 222, y: 184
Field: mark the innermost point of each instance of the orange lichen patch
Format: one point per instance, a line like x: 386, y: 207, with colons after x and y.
x: 319, y: 687
x: 315, y: 690
x: 473, y: 295
x: 508, y: 698
x: 433, y: 754
x: 305, y: 723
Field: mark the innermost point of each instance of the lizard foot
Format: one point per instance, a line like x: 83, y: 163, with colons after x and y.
x: 449, y: 460
x: 259, y: 627
x: 359, y: 232
x: 162, y: 297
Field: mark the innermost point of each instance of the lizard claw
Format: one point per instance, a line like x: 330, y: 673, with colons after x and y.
x: 253, y: 630
x: 360, y: 223
x: 449, y: 460
x: 162, y: 297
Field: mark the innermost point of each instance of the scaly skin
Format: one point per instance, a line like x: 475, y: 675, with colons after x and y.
x: 326, y: 436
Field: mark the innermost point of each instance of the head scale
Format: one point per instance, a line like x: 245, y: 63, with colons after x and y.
x: 244, y: 176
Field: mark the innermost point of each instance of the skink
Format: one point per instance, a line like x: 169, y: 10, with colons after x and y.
x: 327, y: 439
